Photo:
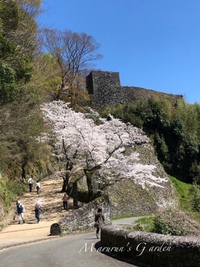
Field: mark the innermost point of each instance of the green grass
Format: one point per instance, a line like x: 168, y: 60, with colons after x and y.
x: 145, y: 220
x: 144, y: 224
x: 182, y: 189
x: 194, y: 215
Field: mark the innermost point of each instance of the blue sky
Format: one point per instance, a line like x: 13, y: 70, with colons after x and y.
x: 154, y: 44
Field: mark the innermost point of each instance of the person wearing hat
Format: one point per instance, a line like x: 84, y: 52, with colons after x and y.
x: 20, y: 212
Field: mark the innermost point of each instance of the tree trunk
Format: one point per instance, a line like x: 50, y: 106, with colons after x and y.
x: 88, y: 175
x: 65, y: 181
x: 64, y: 185
x: 75, y: 195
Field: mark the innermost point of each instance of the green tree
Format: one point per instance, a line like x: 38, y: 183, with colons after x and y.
x: 8, y: 86
x: 174, y: 129
x: 9, y: 18
x: 46, y: 77
x: 18, y: 36
x: 22, y: 147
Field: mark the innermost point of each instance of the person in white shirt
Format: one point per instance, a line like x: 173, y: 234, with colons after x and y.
x: 30, y: 182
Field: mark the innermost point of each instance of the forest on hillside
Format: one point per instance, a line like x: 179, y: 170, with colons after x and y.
x: 174, y: 130
x: 39, y: 65
x: 36, y: 65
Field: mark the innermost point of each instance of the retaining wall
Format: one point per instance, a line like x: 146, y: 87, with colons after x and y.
x: 82, y: 219
x: 151, y: 249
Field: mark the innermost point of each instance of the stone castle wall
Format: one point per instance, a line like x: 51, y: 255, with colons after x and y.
x: 105, y: 89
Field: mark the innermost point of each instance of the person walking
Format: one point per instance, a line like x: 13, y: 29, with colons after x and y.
x: 99, y: 220
x: 38, y: 210
x: 38, y: 187
x: 20, y: 211
x: 65, y: 201
x: 30, y: 182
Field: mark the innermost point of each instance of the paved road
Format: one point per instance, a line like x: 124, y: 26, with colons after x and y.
x: 127, y: 221
x: 79, y: 250
x: 75, y: 251
x: 18, y: 234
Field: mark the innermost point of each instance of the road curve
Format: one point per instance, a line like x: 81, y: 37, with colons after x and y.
x: 79, y: 250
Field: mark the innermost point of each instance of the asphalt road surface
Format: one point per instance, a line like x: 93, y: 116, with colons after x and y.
x: 75, y: 251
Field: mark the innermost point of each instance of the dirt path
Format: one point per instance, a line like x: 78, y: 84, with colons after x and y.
x: 18, y: 234
x: 51, y: 199
x: 53, y: 211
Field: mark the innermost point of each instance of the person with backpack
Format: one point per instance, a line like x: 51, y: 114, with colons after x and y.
x: 20, y: 211
x: 38, y: 210
x: 99, y: 220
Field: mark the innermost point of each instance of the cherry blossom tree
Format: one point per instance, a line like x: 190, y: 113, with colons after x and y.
x: 91, y: 146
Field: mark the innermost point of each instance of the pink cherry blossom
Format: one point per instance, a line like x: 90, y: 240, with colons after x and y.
x: 105, y: 144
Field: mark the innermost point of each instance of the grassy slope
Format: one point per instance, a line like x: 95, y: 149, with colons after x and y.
x: 182, y: 189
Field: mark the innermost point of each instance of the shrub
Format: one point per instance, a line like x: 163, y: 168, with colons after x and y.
x: 175, y: 222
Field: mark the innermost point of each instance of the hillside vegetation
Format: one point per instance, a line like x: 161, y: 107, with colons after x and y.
x: 149, y: 136
x: 174, y: 130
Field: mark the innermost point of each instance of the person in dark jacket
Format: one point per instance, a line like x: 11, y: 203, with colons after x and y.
x: 20, y: 211
x: 65, y: 201
x: 99, y: 220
